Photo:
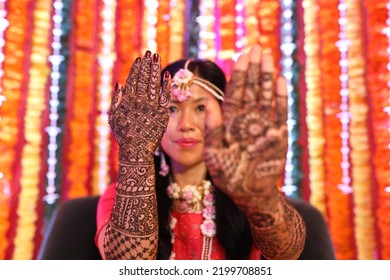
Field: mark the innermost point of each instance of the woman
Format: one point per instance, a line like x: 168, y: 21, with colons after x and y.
x: 211, y: 193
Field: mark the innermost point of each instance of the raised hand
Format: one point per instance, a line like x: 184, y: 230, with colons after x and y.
x: 139, y: 116
x: 139, y: 113
x: 246, y: 155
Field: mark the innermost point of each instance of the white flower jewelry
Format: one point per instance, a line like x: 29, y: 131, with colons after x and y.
x: 191, y: 196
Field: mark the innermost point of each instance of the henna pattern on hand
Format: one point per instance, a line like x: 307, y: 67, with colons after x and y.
x: 138, y: 118
x: 246, y: 157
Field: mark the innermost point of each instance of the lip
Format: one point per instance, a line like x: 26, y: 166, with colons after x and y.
x: 187, y: 142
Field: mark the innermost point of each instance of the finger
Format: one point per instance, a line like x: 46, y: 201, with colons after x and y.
x: 281, y: 102
x: 115, y: 101
x: 267, y: 84
x: 253, y: 86
x: 235, y: 90
x: 214, y: 127
x: 215, y: 137
x: 144, y: 77
x: 165, y: 94
x: 155, y: 80
x: 131, y: 81
x: 116, y: 97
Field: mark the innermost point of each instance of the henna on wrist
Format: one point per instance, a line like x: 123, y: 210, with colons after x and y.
x: 133, y: 227
x: 279, y: 233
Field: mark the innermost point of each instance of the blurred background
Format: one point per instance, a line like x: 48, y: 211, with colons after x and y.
x: 59, y: 60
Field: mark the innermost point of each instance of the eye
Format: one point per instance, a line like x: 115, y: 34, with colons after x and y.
x: 172, y: 109
x: 201, y: 108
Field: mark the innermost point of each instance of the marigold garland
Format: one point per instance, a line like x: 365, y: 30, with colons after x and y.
x: 10, y: 125
x: 378, y: 88
x: 31, y: 154
x: 4, y: 211
x: 163, y: 31
x: 4, y: 183
x: 269, y: 15
x: 105, y: 66
x: 227, y: 26
x: 314, y: 118
x: 252, y: 32
x: 81, y: 98
x: 177, y: 23
x: 359, y: 141
x: 127, y: 45
x: 339, y: 200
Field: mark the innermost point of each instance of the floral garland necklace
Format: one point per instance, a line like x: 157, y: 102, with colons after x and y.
x: 192, y: 199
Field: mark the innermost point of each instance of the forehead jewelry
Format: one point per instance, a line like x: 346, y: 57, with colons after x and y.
x: 184, y: 78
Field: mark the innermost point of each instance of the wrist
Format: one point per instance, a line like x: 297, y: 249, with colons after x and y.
x: 126, y: 158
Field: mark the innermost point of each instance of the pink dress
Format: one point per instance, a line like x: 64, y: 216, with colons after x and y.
x: 188, y: 239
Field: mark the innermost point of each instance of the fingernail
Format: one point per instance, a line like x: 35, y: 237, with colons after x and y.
x: 148, y: 53
x: 167, y: 75
x: 116, y: 87
x: 155, y: 57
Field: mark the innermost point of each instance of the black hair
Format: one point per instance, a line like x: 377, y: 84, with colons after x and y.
x: 202, y: 68
x: 233, y: 232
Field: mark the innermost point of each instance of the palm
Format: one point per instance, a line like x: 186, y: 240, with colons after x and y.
x: 139, y: 113
x: 246, y: 155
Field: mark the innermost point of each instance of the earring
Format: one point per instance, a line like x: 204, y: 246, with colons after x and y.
x: 164, y: 167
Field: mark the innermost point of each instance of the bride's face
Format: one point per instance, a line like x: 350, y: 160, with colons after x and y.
x: 184, y: 139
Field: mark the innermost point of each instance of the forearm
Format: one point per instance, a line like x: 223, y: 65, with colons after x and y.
x: 277, y: 228
x: 132, y: 232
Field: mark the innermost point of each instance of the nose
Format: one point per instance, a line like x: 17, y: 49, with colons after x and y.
x: 186, y: 121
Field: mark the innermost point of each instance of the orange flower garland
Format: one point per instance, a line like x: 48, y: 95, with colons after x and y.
x: 177, y: 28
x: 32, y: 149
x: 81, y: 96
x: 252, y: 32
x: 128, y: 36
x: 106, y: 60
x: 314, y: 117
x: 269, y: 15
x: 227, y: 13
x: 163, y: 31
x: 12, y: 85
x: 4, y: 211
x: 127, y: 45
x: 359, y: 141
x: 378, y: 86
x: 341, y: 227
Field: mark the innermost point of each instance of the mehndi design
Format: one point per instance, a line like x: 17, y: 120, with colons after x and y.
x: 246, y: 157
x: 138, y: 118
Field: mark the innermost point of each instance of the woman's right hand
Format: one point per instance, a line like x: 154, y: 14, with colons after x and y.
x: 139, y: 111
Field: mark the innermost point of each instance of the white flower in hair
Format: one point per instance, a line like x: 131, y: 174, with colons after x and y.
x: 182, y: 81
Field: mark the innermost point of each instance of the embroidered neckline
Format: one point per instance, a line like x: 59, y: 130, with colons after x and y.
x: 192, y: 199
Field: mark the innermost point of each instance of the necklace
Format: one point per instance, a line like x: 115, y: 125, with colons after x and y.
x: 192, y: 199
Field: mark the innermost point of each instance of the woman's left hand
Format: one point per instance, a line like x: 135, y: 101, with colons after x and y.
x: 246, y: 155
